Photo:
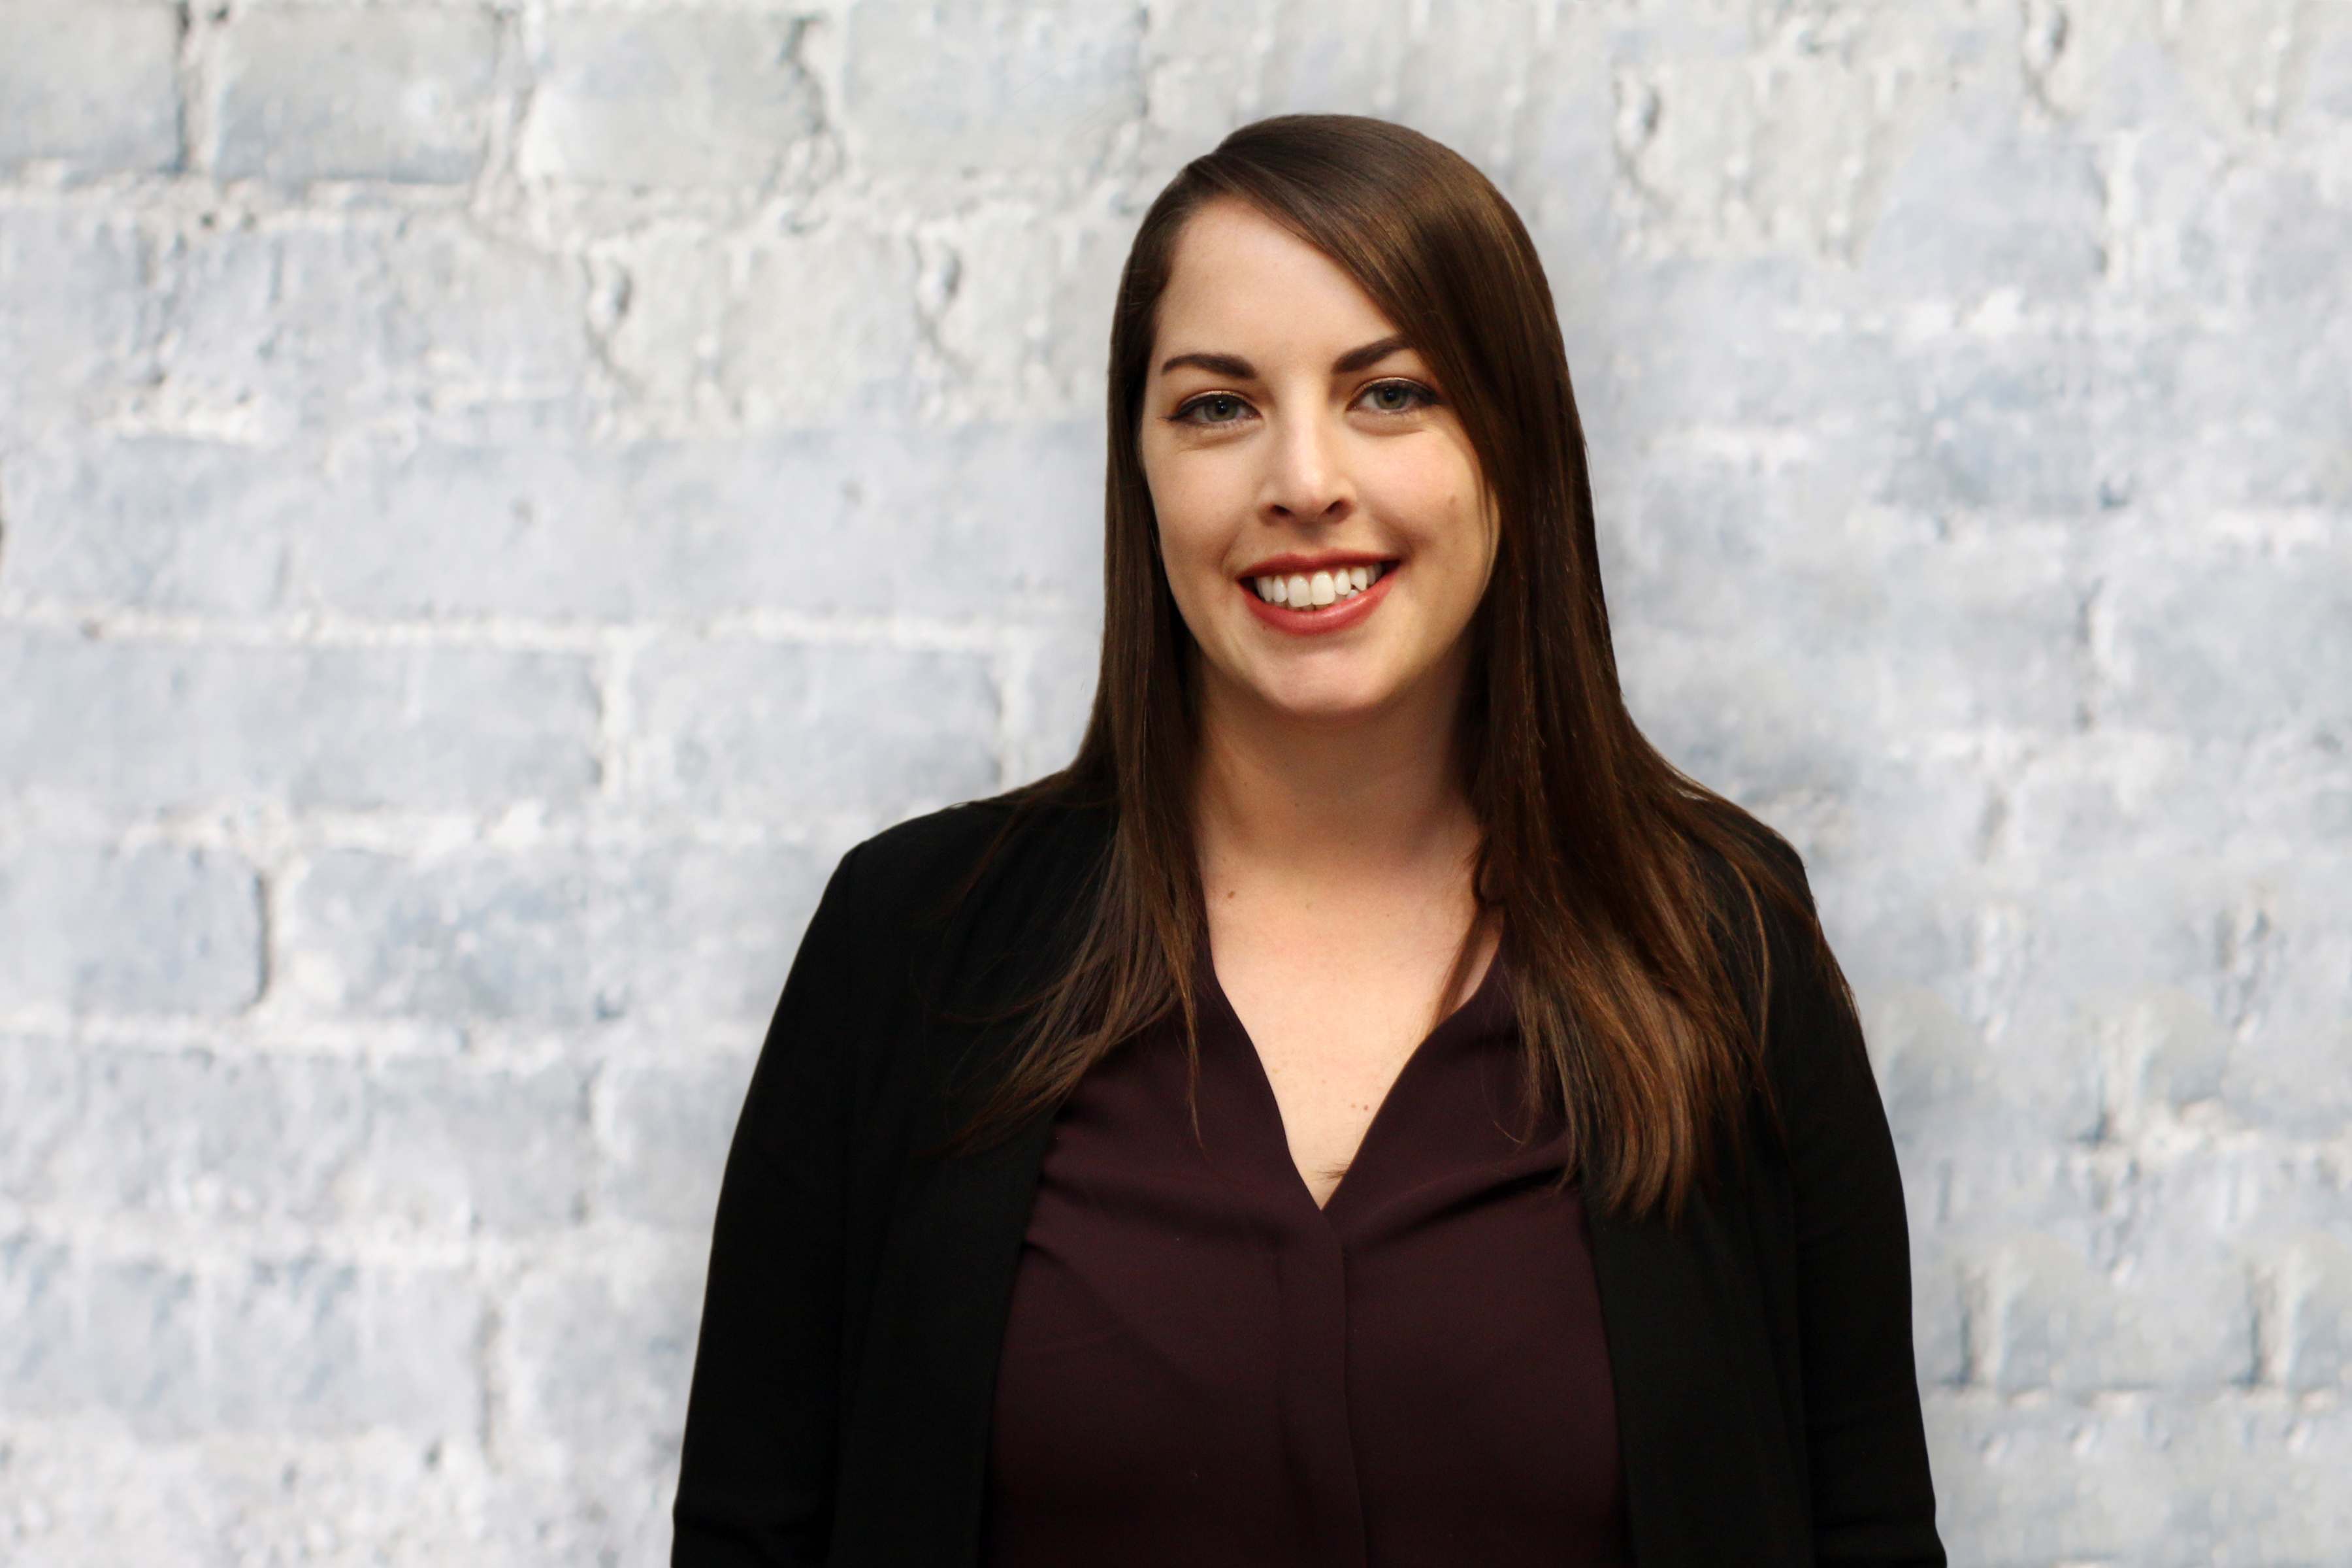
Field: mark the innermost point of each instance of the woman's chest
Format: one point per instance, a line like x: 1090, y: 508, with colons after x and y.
x: 1200, y: 1364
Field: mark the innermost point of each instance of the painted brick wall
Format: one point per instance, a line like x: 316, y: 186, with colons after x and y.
x: 498, y: 496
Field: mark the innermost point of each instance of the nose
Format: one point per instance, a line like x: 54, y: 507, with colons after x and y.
x: 1307, y: 478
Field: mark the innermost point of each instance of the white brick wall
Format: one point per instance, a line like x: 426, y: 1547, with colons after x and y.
x: 495, y: 496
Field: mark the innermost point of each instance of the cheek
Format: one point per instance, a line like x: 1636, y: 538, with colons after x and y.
x: 1435, y: 502
x: 1196, y: 525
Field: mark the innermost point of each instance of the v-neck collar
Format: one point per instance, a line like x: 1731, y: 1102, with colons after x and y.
x: 1468, y: 1021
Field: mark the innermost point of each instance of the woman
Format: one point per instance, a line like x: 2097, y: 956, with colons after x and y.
x: 1370, y: 1107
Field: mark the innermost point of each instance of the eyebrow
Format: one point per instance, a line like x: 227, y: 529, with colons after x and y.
x: 1240, y: 369
x: 1366, y: 357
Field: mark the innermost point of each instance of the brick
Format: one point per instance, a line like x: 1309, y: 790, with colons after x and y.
x: 274, y: 331
x: 2328, y: 79
x: 703, y: 935
x: 2200, y: 422
x: 823, y: 329
x: 93, y: 85
x: 1564, y: 169
x: 2010, y: 649
x: 83, y: 1488
x: 1745, y: 138
x: 2013, y: 657
x: 638, y: 1323
x: 140, y: 727
x: 2279, y: 961
x: 2106, y: 793
x: 458, y: 1147
x: 307, y: 1346
x: 1023, y: 325
x: 2313, y: 1278
x: 2166, y: 1051
x: 1197, y: 60
x: 277, y: 1138
x: 1004, y: 265
x: 1933, y: 1072
x: 1939, y: 1303
x: 482, y: 937
x: 2267, y: 1484
x: 590, y: 529
x: 292, y: 1345
x: 1983, y: 207
x: 2231, y: 643
x: 160, y: 929
x: 195, y: 1134
x: 677, y: 934
x: 155, y: 523
x: 41, y: 1084
x: 670, y: 1128
x: 1739, y: 352
x: 698, y: 99
x: 78, y: 331
x: 2136, y: 1484
x: 2267, y: 394
x: 269, y: 331
x: 483, y: 323
x: 988, y: 519
x: 1059, y: 694
x: 1316, y: 66
x: 2000, y: 427
x: 347, y: 93
x: 2117, y: 927
x: 2304, y: 793
x: 981, y: 85
x: 819, y: 328
x: 985, y: 519
x: 125, y: 1337
x: 765, y: 733
x: 2032, y: 1486
x: 1462, y: 79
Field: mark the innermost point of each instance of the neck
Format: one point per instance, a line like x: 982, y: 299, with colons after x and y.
x: 1357, y: 800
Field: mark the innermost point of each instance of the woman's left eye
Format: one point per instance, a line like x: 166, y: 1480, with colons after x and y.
x: 1217, y: 408
x: 1398, y: 396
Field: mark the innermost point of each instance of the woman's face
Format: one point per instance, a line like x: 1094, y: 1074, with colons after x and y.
x: 1321, y: 514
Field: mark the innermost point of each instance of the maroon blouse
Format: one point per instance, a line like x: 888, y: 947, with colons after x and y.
x: 1202, y: 1367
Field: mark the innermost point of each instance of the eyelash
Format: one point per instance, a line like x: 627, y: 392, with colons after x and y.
x: 1183, y: 415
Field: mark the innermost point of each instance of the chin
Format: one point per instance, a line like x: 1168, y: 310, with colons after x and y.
x: 1327, y: 701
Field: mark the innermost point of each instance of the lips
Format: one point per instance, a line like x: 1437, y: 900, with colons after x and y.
x: 1309, y: 598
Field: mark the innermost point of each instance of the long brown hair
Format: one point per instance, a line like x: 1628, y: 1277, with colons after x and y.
x: 1625, y: 887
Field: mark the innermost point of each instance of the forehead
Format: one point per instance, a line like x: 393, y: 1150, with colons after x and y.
x: 1240, y: 283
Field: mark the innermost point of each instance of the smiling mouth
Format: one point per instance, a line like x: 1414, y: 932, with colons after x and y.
x: 1312, y: 590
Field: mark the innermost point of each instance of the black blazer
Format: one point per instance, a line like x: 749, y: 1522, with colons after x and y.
x: 860, y: 1277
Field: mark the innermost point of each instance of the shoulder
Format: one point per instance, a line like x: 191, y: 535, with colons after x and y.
x: 1742, y: 855
x: 1772, y: 933
x: 961, y: 890
x: 928, y: 863
x: 957, y: 911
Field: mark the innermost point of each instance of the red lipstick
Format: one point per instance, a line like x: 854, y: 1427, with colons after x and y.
x: 1339, y: 617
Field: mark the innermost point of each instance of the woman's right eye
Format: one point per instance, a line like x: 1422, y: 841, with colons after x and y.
x: 1217, y: 408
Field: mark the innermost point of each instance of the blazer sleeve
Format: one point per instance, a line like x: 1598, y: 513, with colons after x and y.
x: 1872, y: 1500
x: 756, y: 1476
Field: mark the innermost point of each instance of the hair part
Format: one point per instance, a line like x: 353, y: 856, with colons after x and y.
x: 1631, y: 896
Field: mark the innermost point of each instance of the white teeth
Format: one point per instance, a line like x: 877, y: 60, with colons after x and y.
x: 1300, y: 590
